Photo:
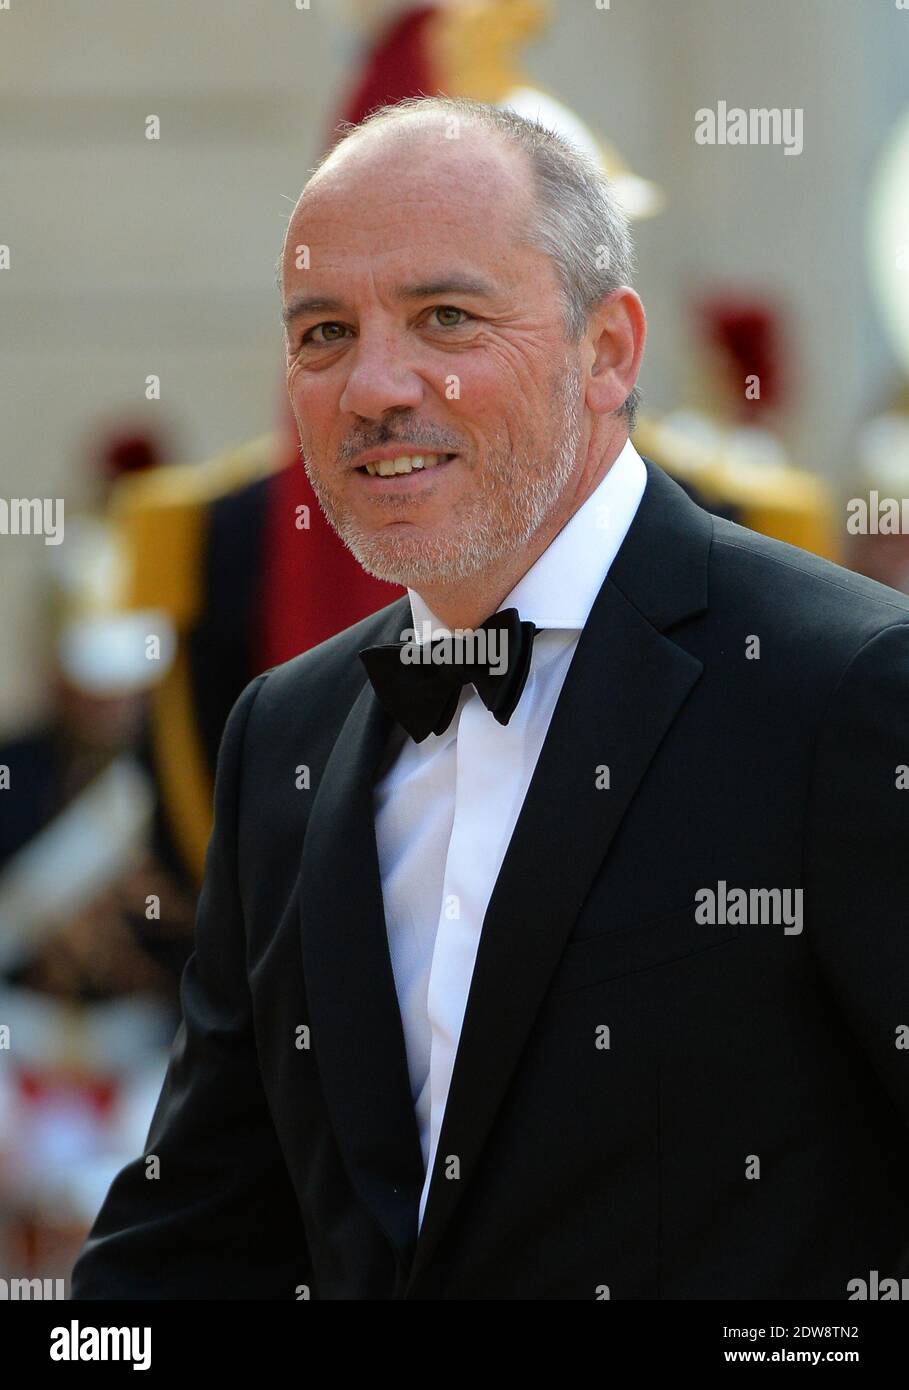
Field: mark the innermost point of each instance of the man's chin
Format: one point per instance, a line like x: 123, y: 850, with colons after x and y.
x: 409, y: 566
x: 406, y: 573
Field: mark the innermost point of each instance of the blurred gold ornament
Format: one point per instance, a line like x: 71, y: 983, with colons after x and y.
x: 473, y: 44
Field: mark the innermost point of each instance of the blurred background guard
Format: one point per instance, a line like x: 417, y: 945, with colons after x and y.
x: 237, y: 550
x: 724, y: 445
x: 94, y: 931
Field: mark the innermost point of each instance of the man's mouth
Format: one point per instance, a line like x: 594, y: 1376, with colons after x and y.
x: 403, y: 465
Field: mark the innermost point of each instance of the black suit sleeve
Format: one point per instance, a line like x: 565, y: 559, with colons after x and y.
x: 857, y: 856
x: 221, y: 1219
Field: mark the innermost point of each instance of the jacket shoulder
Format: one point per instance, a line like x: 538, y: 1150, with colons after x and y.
x: 815, y: 589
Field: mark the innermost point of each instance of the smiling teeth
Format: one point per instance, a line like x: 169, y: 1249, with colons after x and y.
x: 406, y: 463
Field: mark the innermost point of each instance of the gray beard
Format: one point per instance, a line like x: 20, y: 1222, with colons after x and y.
x: 516, y: 498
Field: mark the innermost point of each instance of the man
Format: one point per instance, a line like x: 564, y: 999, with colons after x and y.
x: 593, y: 984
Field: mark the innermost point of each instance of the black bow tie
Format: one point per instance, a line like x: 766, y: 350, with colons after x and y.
x: 419, y: 684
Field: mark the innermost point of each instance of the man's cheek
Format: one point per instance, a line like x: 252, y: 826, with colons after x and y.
x: 302, y: 415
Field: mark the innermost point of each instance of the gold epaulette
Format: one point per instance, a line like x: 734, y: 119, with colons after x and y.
x: 778, y: 500
x: 160, y: 517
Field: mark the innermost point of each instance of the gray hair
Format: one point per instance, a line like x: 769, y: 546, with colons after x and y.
x: 576, y: 221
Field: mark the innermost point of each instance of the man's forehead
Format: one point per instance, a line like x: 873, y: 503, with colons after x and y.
x: 410, y: 210
x: 422, y: 165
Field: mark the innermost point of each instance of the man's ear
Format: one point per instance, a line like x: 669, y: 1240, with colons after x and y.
x: 616, y: 334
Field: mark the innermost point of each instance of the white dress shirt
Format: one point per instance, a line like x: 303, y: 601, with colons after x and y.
x: 446, y: 808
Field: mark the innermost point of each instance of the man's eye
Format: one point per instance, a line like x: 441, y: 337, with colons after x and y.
x: 450, y: 309
x: 308, y: 338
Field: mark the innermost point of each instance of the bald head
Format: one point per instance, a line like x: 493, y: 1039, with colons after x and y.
x: 416, y: 159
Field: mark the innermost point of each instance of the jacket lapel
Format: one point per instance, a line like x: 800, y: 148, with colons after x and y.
x: 623, y: 690
x: 355, y: 1019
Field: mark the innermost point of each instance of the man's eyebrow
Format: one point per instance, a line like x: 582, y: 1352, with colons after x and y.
x: 309, y: 304
x: 428, y: 289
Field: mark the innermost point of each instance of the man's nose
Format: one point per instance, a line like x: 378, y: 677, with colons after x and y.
x: 379, y: 380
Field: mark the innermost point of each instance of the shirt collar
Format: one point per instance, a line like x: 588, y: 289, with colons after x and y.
x: 559, y: 589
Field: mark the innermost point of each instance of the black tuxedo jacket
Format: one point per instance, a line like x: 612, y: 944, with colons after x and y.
x: 740, y: 1131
